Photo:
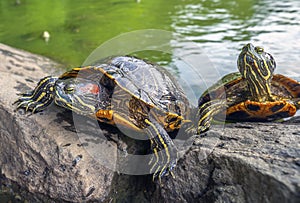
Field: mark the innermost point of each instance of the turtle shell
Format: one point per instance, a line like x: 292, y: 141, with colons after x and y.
x: 129, y: 82
x: 147, y: 82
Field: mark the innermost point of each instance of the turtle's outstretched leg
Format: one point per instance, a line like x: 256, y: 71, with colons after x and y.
x: 164, y: 149
x: 41, y: 97
x: 207, y: 111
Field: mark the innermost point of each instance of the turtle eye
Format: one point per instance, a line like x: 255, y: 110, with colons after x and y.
x: 259, y: 50
x: 69, y: 88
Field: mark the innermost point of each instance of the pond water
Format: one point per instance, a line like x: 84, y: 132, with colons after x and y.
x: 219, y: 27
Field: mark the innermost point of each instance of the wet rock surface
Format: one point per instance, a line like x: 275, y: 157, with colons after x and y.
x: 46, y: 155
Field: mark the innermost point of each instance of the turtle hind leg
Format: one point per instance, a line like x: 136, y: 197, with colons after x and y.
x: 164, y: 149
x: 41, y: 97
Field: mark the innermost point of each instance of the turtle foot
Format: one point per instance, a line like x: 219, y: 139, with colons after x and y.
x: 163, y: 162
x: 38, y: 99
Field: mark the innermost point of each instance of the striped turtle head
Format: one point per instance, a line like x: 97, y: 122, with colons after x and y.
x: 257, y: 68
x: 77, y: 94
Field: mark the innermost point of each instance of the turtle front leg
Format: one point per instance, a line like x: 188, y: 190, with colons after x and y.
x: 164, y: 149
x: 41, y: 97
x: 206, y: 113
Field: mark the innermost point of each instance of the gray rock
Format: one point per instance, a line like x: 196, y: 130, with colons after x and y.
x: 42, y: 153
x: 251, y: 162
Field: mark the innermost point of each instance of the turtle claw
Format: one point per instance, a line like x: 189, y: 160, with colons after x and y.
x: 25, y: 102
x: 162, y: 170
x: 22, y: 104
x: 31, y: 106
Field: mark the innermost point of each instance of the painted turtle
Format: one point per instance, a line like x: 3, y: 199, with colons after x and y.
x: 255, y: 93
x: 124, y: 91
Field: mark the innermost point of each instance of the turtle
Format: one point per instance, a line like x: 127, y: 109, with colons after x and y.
x: 124, y: 91
x: 254, y: 93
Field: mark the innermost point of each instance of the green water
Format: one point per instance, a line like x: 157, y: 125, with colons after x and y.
x: 76, y: 27
x: 219, y: 27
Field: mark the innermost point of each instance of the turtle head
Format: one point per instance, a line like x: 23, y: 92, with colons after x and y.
x: 257, y: 68
x: 77, y: 94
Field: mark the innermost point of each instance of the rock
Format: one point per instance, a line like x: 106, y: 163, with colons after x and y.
x: 251, y: 162
x: 42, y: 153
x: 49, y: 155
